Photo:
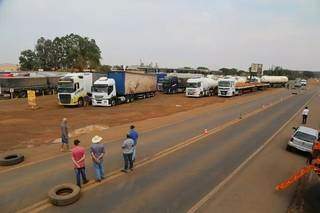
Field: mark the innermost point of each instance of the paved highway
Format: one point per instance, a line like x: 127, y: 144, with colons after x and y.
x: 177, y: 181
x: 170, y: 182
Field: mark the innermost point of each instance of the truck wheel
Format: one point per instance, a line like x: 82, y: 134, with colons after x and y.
x: 12, y: 159
x: 23, y: 94
x: 113, y: 102
x: 80, y: 102
x: 289, y: 148
x: 64, y: 194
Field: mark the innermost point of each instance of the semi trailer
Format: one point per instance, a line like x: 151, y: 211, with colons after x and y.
x: 122, y: 87
x: 275, y: 81
x: 18, y: 86
x: 231, y: 87
x: 199, y: 87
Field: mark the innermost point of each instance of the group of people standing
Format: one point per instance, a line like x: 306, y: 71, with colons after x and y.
x: 97, y: 152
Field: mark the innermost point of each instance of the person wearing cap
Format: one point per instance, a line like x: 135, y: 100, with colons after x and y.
x: 127, y: 148
x: 64, y: 134
x: 78, y: 158
x: 134, y: 136
x: 97, y: 152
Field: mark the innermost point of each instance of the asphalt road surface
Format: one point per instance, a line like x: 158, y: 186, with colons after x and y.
x: 172, y: 181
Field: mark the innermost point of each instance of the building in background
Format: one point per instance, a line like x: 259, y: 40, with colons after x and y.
x: 9, y: 67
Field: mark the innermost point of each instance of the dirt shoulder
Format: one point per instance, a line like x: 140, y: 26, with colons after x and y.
x: 253, y: 188
x: 22, y: 127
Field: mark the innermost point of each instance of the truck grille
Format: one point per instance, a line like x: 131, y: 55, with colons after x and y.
x: 191, y: 92
x: 223, y: 92
x: 98, y: 97
x: 65, y: 98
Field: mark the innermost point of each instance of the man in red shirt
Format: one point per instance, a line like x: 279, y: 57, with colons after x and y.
x: 78, y: 158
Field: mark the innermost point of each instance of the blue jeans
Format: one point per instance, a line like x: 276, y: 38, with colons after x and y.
x: 99, y: 170
x: 80, y: 172
x: 127, y: 160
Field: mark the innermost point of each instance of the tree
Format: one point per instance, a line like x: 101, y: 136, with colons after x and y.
x: 68, y: 52
x: 28, y: 60
x: 45, y: 53
x: 105, y: 68
x: 202, y: 68
x: 227, y: 71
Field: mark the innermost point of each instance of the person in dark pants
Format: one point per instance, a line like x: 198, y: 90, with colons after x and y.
x: 64, y: 135
x: 305, y: 113
x: 134, y: 136
x: 78, y: 158
x: 127, y: 148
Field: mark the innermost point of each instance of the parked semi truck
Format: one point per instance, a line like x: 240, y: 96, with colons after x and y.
x: 199, y: 87
x: 74, y: 87
x: 231, y: 87
x: 275, y: 81
x: 120, y: 87
x: 18, y: 86
x: 177, y: 82
x: 160, y: 78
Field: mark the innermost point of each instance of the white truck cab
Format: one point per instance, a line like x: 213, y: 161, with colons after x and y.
x: 198, y: 87
x: 227, y: 87
x: 104, y: 92
x: 73, y: 87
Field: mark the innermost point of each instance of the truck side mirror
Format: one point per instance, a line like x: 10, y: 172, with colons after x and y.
x: 294, y: 128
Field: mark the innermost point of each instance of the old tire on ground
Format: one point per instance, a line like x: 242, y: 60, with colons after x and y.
x: 64, y: 194
x: 12, y: 159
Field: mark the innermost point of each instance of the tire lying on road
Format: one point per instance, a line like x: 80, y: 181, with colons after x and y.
x: 12, y: 159
x: 64, y: 194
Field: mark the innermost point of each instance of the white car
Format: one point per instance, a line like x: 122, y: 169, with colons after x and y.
x: 303, y: 139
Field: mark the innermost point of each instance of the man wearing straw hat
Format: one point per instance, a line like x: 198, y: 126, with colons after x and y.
x: 97, y: 152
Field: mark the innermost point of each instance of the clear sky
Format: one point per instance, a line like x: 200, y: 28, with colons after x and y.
x: 174, y: 33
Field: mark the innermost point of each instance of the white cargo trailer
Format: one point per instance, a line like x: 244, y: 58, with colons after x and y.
x: 118, y: 87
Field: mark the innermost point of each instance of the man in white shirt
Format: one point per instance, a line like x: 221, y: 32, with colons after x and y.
x: 127, y: 149
x: 305, y: 113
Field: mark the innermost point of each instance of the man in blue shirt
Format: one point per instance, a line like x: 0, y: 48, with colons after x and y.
x: 134, y: 136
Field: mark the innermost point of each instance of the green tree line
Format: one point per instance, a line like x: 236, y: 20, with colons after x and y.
x: 70, y: 52
x: 278, y: 71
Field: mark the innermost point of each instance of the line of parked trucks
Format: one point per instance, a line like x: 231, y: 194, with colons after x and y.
x: 116, y: 87
x: 195, y: 85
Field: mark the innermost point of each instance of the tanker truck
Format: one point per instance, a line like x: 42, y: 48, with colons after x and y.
x: 122, y: 87
x: 275, y: 81
x: 199, y: 87
x: 238, y: 86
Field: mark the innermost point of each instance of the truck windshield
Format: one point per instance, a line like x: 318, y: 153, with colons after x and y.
x: 102, y: 88
x: 224, y: 84
x: 65, y: 87
x: 193, y: 85
x: 305, y: 137
x: 166, y: 82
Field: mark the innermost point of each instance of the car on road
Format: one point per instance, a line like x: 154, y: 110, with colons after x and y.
x: 303, y: 139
